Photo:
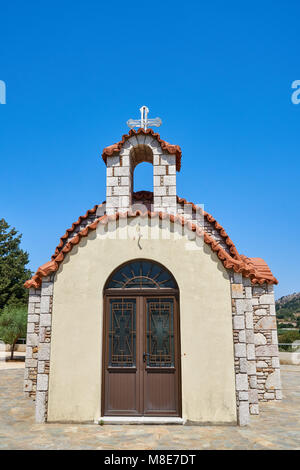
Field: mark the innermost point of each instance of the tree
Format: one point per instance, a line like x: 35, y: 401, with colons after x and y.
x: 288, y: 337
x: 13, y: 272
x: 13, y: 322
x: 285, y: 325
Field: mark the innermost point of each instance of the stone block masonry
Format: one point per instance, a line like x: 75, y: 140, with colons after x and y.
x: 37, y: 361
x: 32, y: 343
x: 118, y: 185
x: 255, y: 345
x: 249, y: 339
x: 44, y: 349
x: 120, y: 169
x: 164, y: 184
x: 266, y: 343
x: 240, y: 349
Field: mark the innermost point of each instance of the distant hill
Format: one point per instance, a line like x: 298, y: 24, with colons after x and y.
x: 288, y: 310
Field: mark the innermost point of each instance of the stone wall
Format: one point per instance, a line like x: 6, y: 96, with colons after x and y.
x: 118, y: 184
x: 164, y: 183
x: 255, y: 345
x: 38, y: 342
x: 266, y: 343
x: 239, y: 307
x: 251, y: 359
x: 32, y: 342
x: 43, y: 366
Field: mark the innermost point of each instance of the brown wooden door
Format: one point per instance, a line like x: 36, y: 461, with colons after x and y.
x: 141, y: 356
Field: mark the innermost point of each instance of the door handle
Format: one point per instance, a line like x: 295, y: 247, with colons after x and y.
x: 145, y: 355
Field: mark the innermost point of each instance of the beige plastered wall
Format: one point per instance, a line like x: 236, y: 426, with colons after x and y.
x: 207, y: 360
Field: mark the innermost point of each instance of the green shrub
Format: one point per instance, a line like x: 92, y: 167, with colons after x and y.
x: 288, y: 337
x: 13, y: 322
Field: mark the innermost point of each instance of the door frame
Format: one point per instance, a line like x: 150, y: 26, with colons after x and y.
x: 131, y: 293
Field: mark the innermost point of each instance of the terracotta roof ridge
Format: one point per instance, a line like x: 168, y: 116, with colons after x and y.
x: 72, y: 228
x: 232, y: 248
x: 148, y: 195
x: 260, y: 265
x: 238, y: 265
x: 221, y: 230
x: 172, y: 149
x: 138, y: 195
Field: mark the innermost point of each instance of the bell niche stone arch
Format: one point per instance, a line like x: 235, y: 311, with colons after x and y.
x: 139, y: 155
x: 121, y: 159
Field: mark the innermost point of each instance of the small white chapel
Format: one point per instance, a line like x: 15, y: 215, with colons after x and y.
x: 147, y: 312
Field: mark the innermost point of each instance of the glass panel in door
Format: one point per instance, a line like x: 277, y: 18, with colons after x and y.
x: 160, y: 332
x: 122, y: 333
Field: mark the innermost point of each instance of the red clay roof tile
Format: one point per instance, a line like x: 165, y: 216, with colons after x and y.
x: 248, y: 267
x: 260, y: 267
x: 172, y: 149
x: 148, y: 195
x: 218, y: 227
x: 72, y: 228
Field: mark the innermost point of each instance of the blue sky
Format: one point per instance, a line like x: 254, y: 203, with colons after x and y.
x: 219, y: 75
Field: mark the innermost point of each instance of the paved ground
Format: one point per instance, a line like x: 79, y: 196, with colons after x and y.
x: 18, y: 363
x: 277, y: 427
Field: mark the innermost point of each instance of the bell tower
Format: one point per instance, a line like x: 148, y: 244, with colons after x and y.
x: 121, y: 159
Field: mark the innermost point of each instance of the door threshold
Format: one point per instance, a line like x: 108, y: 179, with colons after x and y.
x: 140, y: 420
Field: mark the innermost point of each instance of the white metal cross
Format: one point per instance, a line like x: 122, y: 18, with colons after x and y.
x: 144, y: 122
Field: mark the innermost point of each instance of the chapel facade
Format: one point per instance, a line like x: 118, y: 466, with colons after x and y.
x: 147, y: 312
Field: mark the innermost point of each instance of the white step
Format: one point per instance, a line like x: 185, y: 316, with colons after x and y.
x: 139, y: 420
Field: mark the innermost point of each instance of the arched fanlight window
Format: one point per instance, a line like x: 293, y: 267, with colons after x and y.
x: 141, y: 274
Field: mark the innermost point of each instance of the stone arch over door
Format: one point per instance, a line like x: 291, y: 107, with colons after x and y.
x: 141, y: 372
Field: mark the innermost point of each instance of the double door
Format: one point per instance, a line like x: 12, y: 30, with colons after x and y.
x: 141, y: 360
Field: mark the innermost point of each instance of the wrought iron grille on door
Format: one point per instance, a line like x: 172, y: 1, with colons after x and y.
x: 160, y: 332
x: 122, y: 333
